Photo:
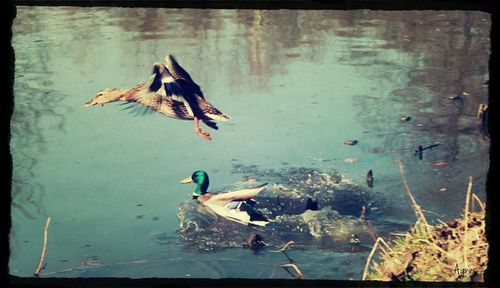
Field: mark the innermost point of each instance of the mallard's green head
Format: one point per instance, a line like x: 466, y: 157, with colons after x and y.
x: 200, y: 178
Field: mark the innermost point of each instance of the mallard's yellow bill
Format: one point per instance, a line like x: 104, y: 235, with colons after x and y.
x: 187, y: 180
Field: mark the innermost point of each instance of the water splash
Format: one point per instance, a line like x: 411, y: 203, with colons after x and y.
x: 335, y: 225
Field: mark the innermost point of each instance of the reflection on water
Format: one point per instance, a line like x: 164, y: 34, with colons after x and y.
x: 298, y: 84
x: 36, y: 101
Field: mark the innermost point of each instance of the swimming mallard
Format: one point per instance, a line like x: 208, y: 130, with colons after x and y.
x: 170, y: 92
x: 234, y: 205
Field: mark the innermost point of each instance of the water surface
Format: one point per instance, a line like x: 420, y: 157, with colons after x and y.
x: 297, y: 84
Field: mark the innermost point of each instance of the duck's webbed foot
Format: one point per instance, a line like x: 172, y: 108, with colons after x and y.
x: 200, y: 132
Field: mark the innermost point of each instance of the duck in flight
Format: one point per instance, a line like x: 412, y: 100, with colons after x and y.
x: 175, y: 82
x: 171, y: 92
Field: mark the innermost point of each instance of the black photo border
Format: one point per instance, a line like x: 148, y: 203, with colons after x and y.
x: 9, y: 11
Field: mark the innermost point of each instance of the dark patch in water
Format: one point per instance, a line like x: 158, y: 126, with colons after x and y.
x: 335, y: 223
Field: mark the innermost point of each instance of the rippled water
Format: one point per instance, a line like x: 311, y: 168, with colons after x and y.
x: 297, y: 84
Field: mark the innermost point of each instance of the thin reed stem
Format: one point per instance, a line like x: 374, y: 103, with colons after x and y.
x: 466, y: 220
x: 369, y: 260
x: 44, y: 249
x: 474, y: 197
x: 418, y: 211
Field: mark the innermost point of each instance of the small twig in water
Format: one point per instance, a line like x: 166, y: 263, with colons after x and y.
x: 480, y: 110
x: 44, y: 249
x: 292, y: 263
x: 420, y: 148
x: 299, y: 275
x: 284, y: 246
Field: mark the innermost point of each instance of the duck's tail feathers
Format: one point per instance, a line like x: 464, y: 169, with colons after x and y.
x: 260, y: 186
x: 211, y: 124
x: 218, y: 117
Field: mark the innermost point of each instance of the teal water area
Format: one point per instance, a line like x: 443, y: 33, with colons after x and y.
x: 297, y: 85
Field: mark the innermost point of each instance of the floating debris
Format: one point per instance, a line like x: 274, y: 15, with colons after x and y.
x: 405, y: 119
x: 85, y: 245
x: 456, y: 97
x: 362, y: 216
x: 351, y: 142
x: 421, y: 149
x: 420, y: 152
x: 255, y: 242
x: 90, y: 262
x: 139, y: 261
x: 482, y: 114
x: 481, y: 111
x: 369, y: 178
x: 139, y: 216
x: 354, y: 239
x: 443, y: 189
x: 439, y: 163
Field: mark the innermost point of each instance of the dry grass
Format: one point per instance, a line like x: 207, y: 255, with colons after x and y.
x: 454, y: 251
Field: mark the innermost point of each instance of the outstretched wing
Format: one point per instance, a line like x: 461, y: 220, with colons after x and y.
x: 174, y: 90
x: 159, y: 73
x: 152, y: 96
x: 152, y: 100
x: 180, y: 74
x: 156, y: 102
x: 163, y: 83
x: 240, y: 195
x: 136, y: 108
